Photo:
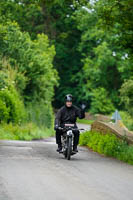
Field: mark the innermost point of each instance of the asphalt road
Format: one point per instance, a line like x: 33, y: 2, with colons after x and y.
x: 34, y: 171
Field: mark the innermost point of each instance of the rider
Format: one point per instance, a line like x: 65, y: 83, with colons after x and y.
x: 68, y: 115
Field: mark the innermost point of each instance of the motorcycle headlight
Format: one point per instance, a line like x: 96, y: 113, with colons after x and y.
x: 69, y: 133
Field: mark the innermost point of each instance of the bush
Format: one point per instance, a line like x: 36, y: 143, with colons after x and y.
x: 104, y: 144
x: 108, y: 145
x: 101, y: 102
x: 11, y: 104
x: 41, y: 114
x: 13, y: 112
x: 126, y: 93
x: 11, y: 107
x: 23, y: 132
x: 34, y: 59
x: 27, y: 75
x: 127, y: 120
x: 3, y: 82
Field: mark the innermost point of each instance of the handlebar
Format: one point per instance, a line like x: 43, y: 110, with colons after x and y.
x: 73, y: 129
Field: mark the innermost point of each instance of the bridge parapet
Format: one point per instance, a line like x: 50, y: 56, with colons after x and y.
x: 118, y: 129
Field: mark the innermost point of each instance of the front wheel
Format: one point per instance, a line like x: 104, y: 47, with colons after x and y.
x: 69, y: 148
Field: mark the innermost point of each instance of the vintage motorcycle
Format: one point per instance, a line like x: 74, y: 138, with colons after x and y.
x: 67, y: 140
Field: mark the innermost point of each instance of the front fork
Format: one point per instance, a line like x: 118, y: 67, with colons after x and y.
x: 65, y: 139
x: 69, y: 135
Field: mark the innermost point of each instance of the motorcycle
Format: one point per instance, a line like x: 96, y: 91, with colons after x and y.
x: 67, y: 139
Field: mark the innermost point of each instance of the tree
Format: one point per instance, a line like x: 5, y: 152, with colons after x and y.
x: 101, y: 102
x: 117, y: 14
x: 26, y: 13
x: 36, y: 77
x: 11, y: 103
x: 33, y: 58
x: 93, y: 44
x: 126, y: 93
x: 105, y: 63
x: 53, y: 18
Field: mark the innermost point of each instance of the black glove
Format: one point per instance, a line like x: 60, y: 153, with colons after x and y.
x: 83, y: 106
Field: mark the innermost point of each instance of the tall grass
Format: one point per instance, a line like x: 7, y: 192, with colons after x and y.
x: 23, y: 132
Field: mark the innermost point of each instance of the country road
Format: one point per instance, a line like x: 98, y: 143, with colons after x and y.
x: 34, y: 171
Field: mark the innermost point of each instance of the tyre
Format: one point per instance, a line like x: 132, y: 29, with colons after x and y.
x: 69, y: 148
x: 65, y: 154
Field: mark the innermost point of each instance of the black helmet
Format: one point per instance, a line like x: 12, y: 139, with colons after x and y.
x: 69, y: 97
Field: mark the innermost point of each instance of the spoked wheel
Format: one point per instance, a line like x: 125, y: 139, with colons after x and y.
x: 69, y: 148
x: 65, y: 154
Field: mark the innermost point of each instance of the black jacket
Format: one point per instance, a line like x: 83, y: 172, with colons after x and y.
x: 68, y: 115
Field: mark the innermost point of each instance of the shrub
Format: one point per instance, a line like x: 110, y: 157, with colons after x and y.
x: 126, y: 93
x: 11, y: 106
x: 41, y: 114
x: 101, y: 102
x: 108, y: 145
x: 23, y: 132
x: 4, y: 111
x: 3, y: 82
x: 127, y: 120
x: 10, y: 75
x: 34, y: 59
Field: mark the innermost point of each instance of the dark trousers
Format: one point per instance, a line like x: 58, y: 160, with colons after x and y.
x: 58, y: 137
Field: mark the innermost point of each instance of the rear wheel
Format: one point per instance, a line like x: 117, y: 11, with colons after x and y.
x: 69, y: 148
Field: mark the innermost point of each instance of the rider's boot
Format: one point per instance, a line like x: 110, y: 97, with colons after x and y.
x: 75, y: 150
x: 76, y: 141
x: 59, y: 149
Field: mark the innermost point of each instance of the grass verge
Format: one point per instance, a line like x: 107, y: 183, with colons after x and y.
x: 127, y: 120
x: 108, y: 145
x: 24, y: 132
x: 85, y: 121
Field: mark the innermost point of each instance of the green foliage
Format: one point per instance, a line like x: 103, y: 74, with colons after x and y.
x: 127, y: 120
x: 40, y: 17
x: 28, y: 131
x: 11, y: 76
x: 88, y: 56
x: 117, y: 14
x: 108, y: 145
x: 105, y: 64
x: 103, y: 144
x: 93, y: 44
x: 27, y: 13
x: 27, y: 74
x: 101, y: 102
x: 126, y: 93
x: 11, y: 107
x: 40, y: 114
x: 34, y: 60
x: 85, y: 121
x: 84, y: 138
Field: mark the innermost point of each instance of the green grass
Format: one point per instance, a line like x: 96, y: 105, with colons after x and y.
x: 108, y: 145
x: 24, y: 132
x: 127, y: 120
x: 85, y: 121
